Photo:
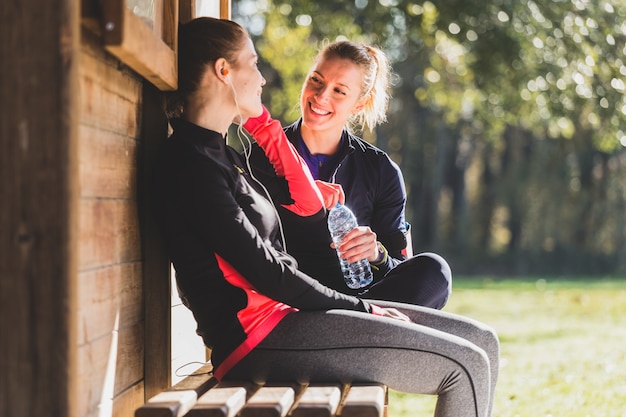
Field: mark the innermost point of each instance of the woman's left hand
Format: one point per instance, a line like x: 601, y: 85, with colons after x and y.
x: 331, y: 193
x: 359, y: 243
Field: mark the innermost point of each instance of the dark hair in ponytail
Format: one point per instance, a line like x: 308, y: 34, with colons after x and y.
x: 201, y: 42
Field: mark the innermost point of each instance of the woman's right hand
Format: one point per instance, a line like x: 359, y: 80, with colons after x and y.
x: 392, y: 313
x: 331, y: 193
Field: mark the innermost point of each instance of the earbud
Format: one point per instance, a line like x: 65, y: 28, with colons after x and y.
x: 224, y: 72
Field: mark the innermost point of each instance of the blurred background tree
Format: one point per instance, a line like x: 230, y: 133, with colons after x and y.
x: 508, y: 120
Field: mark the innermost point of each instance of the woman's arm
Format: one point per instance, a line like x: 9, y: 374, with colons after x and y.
x: 269, y: 134
x: 223, y: 225
x: 388, y: 219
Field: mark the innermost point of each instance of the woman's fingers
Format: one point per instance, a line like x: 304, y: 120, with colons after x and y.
x: 359, y: 243
x: 331, y: 193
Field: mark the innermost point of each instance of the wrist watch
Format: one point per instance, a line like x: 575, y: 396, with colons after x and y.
x: 382, y: 253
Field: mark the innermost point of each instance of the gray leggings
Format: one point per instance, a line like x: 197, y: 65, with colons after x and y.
x: 439, y: 353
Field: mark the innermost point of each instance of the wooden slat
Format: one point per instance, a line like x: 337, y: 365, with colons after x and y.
x: 108, y: 164
x: 225, y: 9
x: 186, y: 10
x: 364, y: 401
x: 127, y: 402
x: 228, y: 399
x: 38, y: 198
x: 156, y: 269
x: 178, y: 400
x: 170, y: 21
x: 270, y: 401
x: 108, y: 297
x: 318, y: 401
x: 134, y: 43
x: 169, y: 404
x: 107, y: 367
x: 110, y: 98
x: 221, y: 401
x: 109, y: 233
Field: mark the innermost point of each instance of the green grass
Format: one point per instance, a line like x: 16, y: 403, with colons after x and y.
x: 563, y: 346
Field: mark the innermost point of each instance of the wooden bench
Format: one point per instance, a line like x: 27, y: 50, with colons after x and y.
x: 200, y: 395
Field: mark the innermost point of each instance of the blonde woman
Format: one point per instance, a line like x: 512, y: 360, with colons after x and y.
x: 348, y: 86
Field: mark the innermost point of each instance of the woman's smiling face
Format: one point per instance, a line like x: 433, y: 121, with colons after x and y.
x: 331, y: 94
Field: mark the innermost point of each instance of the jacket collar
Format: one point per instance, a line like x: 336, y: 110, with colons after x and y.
x: 350, y: 141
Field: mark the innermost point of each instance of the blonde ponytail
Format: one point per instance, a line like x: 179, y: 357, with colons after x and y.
x: 376, y: 90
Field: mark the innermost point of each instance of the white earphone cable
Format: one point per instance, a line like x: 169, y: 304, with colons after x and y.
x: 247, y: 151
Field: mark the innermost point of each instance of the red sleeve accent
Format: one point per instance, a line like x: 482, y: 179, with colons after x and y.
x: 269, y: 134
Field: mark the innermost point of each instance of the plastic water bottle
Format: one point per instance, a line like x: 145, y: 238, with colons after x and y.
x: 340, y: 221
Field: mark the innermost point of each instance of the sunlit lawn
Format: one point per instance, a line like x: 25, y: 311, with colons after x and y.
x: 563, y: 346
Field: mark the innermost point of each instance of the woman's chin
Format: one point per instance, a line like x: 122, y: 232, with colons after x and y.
x: 252, y: 112
x: 258, y: 111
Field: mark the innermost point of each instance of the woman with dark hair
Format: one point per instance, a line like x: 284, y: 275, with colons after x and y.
x: 263, y: 318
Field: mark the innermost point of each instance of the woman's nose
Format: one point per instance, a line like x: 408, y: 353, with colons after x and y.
x: 322, y: 94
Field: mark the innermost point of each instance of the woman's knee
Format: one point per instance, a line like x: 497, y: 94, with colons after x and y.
x: 439, y: 264
x: 440, y: 273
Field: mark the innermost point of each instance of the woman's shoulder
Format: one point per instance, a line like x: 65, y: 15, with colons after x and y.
x: 372, y: 156
x: 366, y: 148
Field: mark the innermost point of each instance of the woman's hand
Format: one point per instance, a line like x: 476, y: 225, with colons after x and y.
x: 331, y: 193
x: 392, y: 313
x: 359, y: 243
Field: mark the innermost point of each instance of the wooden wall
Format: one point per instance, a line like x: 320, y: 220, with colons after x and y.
x: 85, y: 302
x: 110, y: 335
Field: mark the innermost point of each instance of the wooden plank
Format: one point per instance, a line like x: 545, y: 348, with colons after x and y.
x: 106, y: 70
x: 270, y: 401
x: 109, y: 233
x: 168, y: 404
x: 109, y: 366
x: 38, y: 194
x: 127, y: 37
x: 108, y: 297
x: 124, y: 405
x: 179, y: 399
x: 221, y: 401
x: 186, y: 10
x: 156, y: 289
x: 128, y: 401
x: 170, y: 21
x: 110, y: 96
x: 108, y: 164
x: 318, y: 401
x: 364, y: 401
x: 225, y: 9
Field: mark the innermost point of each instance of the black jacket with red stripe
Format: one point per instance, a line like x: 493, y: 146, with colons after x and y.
x: 223, y: 239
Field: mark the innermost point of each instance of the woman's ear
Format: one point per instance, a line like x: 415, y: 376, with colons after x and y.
x: 222, y: 70
x: 360, y: 105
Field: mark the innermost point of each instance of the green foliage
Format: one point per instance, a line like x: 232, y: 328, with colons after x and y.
x: 561, y: 346
x: 508, y: 118
x: 290, y: 48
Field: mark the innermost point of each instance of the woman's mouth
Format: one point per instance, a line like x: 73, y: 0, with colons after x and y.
x: 317, y: 110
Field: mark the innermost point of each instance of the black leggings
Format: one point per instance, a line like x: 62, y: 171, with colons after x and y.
x: 439, y: 353
x: 423, y: 280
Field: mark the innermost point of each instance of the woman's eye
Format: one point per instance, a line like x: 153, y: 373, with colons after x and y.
x: 338, y: 91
